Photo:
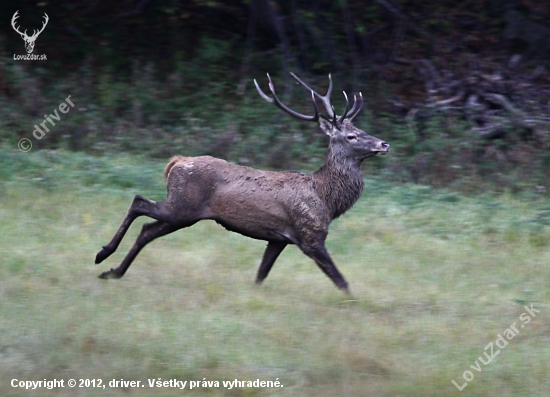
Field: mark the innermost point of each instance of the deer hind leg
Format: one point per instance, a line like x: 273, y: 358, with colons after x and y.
x: 319, y: 254
x: 140, y: 206
x: 274, y: 248
x: 149, y: 232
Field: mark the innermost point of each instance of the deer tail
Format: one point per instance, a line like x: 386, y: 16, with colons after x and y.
x: 170, y: 164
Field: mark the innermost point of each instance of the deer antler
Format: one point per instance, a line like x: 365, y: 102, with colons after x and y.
x: 282, y: 106
x: 353, y: 115
x: 24, y: 34
x: 324, y: 98
x: 15, y: 16
x: 43, y: 24
x: 326, y: 101
x: 353, y: 112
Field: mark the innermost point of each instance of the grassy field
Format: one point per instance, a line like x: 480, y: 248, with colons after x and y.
x: 437, y: 277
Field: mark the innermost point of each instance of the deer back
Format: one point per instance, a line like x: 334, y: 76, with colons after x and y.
x: 256, y: 203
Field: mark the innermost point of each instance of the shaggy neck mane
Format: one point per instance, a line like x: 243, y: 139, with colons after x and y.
x: 339, y: 182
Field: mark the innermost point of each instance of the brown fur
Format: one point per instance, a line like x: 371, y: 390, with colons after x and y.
x: 171, y: 163
x: 281, y: 208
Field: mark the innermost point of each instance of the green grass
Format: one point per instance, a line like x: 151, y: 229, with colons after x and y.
x: 436, y: 275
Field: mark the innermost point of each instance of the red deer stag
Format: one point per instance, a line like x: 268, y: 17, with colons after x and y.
x: 281, y: 208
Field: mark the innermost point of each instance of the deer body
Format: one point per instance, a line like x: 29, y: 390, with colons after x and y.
x: 255, y: 203
x: 259, y: 204
x: 282, y: 208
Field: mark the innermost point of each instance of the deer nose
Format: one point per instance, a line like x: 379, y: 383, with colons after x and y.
x: 385, y: 146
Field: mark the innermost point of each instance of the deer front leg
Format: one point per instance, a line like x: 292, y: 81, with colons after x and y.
x: 319, y: 254
x: 274, y: 248
x: 149, y: 232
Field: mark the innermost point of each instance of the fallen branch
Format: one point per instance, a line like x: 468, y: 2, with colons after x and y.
x: 489, y: 101
x: 504, y: 102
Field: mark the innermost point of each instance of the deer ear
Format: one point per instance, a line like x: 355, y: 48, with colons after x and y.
x: 326, y: 126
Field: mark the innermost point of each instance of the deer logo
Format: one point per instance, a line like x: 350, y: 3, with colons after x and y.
x: 29, y: 40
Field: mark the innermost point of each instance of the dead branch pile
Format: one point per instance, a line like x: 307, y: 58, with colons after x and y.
x: 493, y: 98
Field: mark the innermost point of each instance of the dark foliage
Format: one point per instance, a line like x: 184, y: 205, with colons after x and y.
x: 461, y: 89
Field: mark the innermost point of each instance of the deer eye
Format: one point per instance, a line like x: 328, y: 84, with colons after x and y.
x: 351, y: 137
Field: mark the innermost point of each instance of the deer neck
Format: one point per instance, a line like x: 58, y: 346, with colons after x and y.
x: 339, y: 183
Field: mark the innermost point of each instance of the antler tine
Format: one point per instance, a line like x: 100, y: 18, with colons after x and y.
x: 324, y: 98
x: 343, y: 116
x: 13, y: 21
x: 352, y: 114
x: 37, y: 32
x: 354, y: 105
x: 262, y: 94
x: 282, y: 106
x: 315, y: 106
x: 43, y: 23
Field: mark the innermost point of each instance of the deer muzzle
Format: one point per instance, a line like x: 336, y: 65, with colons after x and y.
x: 384, y: 147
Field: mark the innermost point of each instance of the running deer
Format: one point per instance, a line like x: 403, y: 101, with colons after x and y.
x: 281, y: 208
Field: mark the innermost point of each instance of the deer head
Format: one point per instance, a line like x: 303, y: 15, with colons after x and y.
x: 346, y: 140
x: 29, y: 40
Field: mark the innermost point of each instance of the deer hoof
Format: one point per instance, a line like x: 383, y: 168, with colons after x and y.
x: 110, y: 274
x: 103, y: 254
x: 348, y: 293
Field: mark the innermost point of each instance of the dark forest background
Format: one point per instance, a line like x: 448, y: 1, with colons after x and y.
x: 461, y: 89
